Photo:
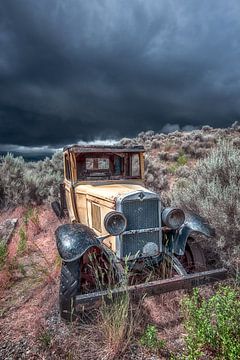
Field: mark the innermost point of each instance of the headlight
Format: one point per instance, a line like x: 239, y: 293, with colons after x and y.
x: 173, y: 218
x: 115, y: 223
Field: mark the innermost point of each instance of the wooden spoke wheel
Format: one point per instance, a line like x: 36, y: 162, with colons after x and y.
x: 97, y: 272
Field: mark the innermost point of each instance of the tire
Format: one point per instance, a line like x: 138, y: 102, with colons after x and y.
x: 69, y: 286
x: 193, y: 259
x: 76, y: 279
x: 197, y: 253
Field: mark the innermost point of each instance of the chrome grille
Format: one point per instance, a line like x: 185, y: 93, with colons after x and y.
x: 140, y: 214
x: 133, y: 243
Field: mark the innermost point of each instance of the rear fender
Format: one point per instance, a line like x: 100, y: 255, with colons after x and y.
x: 73, y: 240
x: 193, y: 224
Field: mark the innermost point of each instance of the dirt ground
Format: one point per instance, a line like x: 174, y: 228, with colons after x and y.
x: 30, y: 327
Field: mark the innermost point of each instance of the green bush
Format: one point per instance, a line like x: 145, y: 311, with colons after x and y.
x: 182, y: 160
x: 213, y: 191
x: 212, y: 325
x: 150, y: 340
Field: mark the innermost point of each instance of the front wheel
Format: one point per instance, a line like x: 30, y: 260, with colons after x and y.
x: 94, y: 271
x: 69, y: 285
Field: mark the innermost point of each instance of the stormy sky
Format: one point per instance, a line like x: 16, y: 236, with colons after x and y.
x: 81, y: 70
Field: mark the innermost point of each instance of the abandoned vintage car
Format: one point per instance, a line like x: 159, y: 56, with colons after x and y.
x: 114, y: 222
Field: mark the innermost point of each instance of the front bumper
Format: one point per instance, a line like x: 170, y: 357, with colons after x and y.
x: 158, y: 287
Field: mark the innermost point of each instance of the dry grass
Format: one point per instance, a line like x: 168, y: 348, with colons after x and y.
x: 118, y: 322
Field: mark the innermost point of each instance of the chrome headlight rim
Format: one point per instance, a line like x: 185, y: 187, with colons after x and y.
x: 115, y: 223
x: 173, y: 217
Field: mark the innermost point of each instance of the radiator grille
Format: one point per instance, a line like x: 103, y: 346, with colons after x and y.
x: 96, y: 217
x: 140, y: 214
x: 132, y: 243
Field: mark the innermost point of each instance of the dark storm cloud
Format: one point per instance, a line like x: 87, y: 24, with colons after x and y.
x: 79, y: 70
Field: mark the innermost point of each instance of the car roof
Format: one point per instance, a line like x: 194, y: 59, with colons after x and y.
x: 103, y: 148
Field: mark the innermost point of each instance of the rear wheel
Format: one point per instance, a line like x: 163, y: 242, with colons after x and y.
x: 193, y: 259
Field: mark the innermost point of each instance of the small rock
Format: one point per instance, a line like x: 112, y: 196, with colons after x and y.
x: 6, y: 230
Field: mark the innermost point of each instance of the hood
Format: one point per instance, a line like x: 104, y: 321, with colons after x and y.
x: 109, y: 191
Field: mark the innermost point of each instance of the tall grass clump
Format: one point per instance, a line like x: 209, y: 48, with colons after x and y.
x: 25, y: 183
x: 117, y: 323
x: 117, y: 317
x: 213, y: 191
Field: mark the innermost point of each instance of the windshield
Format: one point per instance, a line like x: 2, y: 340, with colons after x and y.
x: 108, y: 166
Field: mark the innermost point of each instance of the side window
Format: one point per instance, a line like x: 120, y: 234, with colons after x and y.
x: 67, y: 168
x: 135, y: 165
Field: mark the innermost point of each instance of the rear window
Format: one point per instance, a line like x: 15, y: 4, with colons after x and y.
x: 97, y: 163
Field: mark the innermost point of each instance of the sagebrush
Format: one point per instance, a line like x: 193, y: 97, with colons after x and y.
x: 213, y: 191
x: 24, y: 183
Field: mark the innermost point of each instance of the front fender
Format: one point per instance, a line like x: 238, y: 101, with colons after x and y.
x: 193, y: 223
x: 73, y: 240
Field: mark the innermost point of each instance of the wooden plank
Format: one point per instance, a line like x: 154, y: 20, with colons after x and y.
x: 156, y: 287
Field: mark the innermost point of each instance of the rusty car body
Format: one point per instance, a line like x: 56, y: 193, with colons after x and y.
x: 115, y: 220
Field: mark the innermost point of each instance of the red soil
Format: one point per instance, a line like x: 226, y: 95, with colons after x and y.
x: 25, y: 300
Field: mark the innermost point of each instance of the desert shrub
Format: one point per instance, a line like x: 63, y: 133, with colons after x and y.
x: 206, y: 128
x: 213, y: 191
x: 163, y: 155
x: 12, y: 179
x: 29, y: 183
x: 156, y: 180
x: 155, y: 144
x: 149, y: 133
x: 209, y: 139
x: 172, y: 169
x: 200, y: 152
x: 125, y: 141
x: 182, y: 160
x: 183, y: 171
x: 173, y: 156
x: 212, y: 325
x: 236, y: 142
x: 198, y: 136
x: 168, y: 145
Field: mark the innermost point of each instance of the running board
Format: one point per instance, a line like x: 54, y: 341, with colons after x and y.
x: 155, y: 287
